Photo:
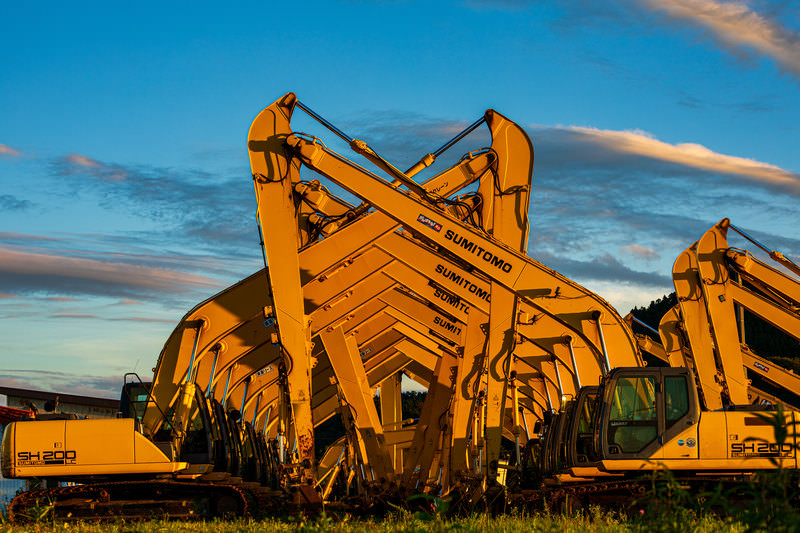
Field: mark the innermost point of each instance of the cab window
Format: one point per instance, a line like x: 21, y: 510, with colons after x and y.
x: 586, y: 414
x: 676, y: 399
x: 633, y: 421
x: 583, y: 443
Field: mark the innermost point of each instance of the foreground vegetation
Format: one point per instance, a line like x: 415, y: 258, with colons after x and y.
x: 770, y: 502
x: 596, y: 521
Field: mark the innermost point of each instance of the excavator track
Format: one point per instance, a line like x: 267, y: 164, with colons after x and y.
x: 625, y: 494
x: 132, y: 500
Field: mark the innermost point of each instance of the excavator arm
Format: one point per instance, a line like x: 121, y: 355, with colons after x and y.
x: 418, y: 212
x: 554, y: 349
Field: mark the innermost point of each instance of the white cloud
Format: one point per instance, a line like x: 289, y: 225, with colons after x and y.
x: 626, y: 296
x: 737, y: 27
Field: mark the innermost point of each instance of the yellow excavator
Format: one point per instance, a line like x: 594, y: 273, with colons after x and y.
x: 400, y: 283
x: 701, y: 417
x: 534, y: 316
x: 119, y: 469
x: 179, y: 441
x: 418, y: 279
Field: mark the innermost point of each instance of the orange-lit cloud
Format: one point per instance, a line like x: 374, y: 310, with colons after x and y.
x: 51, y: 272
x: 691, y: 155
x: 6, y: 150
x: 640, y: 251
x: 61, y: 382
x: 82, y: 161
x: 76, y: 163
x: 738, y: 28
x: 114, y: 319
x: 128, y: 301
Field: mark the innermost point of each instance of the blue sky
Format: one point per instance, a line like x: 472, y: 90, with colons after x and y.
x: 125, y: 191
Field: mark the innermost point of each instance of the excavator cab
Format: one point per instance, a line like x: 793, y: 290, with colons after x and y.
x: 194, y: 439
x: 197, y: 445
x: 568, y: 441
x: 269, y: 461
x: 220, y: 444
x: 229, y: 451
x: 554, y: 439
x: 642, y: 409
x: 133, y: 400
x: 252, y: 458
x: 580, y: 449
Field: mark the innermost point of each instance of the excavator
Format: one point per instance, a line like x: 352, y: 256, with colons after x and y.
x: 179, y: 441
x: 704, y: 416
x: 534, y: 315
x: 416, y: 280
x: 413, y: 280
x: 391, y: 243
x: 330, y: 307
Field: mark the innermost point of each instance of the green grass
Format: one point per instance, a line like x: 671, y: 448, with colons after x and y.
x: 597, y: 521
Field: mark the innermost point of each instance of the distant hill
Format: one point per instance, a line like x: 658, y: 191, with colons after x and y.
x: 651, y: 315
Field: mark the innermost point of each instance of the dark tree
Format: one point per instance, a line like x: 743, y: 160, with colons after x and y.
x: 651, y: 315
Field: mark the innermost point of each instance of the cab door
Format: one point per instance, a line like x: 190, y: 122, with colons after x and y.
x: 632, y: 424
x: 680, y: 436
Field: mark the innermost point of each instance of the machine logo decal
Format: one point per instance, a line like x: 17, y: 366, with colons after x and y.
x: 55, y: 457
x: 449, y: 299
x: 463, y: 282
x: 435, y: 226
x: 473, y: 248
x: 265, y: 370
x: 760, y: 449
x: 761, y: 367
x: 449, y: 326
x: 680, y: 442
x: 439, y: 188
x: 691, y: 443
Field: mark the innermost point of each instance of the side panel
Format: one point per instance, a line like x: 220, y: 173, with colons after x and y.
x: 751, y: 436
x: 712, y: 441
x: 684, y: 445
x: 65, y: 448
